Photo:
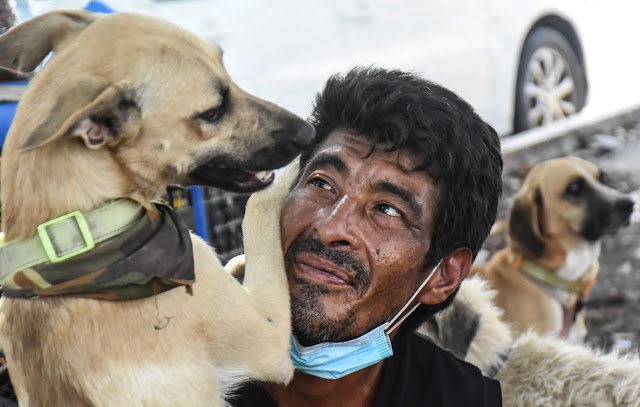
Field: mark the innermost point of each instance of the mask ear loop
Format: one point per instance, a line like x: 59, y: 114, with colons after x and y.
x: 402, y: 314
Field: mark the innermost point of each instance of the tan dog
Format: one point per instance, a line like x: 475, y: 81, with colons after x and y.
x: 127, y: 105
x: 555, y: 226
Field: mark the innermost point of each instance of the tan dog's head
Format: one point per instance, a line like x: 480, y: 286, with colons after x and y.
x: 563, y: 203
x: 149, y: 97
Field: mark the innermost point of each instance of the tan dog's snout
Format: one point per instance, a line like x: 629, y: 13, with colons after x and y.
x: 274, y: 137
x: 293, y: 133
x: 170, y: 115
x: 606, y: 210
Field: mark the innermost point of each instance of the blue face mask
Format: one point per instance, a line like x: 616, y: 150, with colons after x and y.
x: 333, y: 360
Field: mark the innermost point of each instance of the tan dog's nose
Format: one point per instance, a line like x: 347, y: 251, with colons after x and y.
x: 624, y: 207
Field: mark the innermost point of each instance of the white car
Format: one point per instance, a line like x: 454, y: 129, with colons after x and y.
x: 520, y: 63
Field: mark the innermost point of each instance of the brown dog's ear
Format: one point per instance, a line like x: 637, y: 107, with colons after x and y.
x: 24, y: 46
x: 109, y: 115
x: 525, y: 224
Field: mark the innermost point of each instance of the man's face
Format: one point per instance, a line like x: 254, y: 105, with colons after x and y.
x: 355, y: 232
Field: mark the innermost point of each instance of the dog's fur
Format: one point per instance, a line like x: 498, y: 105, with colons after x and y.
x: 472, y: 327
x: 7, y: 20
x: 7, y: 17
x: 127, y: 105
x: 557, y: 220
x: 533, y: 371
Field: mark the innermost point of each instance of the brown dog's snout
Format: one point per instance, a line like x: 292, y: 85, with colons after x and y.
x: 607, y: 217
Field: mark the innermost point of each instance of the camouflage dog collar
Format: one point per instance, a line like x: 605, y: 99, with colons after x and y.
x: 116, y: 252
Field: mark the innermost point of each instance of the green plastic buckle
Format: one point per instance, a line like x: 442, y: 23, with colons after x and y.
x: 84, y: 231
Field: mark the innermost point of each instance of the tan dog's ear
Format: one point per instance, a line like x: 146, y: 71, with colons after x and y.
x: 108, y: 116
x: 525, y: 224
x: 24, y: 46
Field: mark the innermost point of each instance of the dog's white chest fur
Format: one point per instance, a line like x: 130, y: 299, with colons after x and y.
x: 577, y: 264
x: 579, y: 260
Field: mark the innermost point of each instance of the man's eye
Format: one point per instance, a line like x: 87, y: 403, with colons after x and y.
x: 389, y: 210
x: 320, y: 183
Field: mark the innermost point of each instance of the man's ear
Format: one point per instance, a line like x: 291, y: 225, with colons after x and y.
x: 446, y: 279
x: 97, y: 113
x: 24, y: 46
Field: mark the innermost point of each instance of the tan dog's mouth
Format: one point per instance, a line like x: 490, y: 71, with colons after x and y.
x: 231, y: 179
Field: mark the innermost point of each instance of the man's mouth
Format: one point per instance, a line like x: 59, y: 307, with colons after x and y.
x: 320, y: 270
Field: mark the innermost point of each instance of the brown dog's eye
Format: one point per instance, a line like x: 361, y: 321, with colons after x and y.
x: 575, y: 188
x: 215, y: 113
x: 212, y: 115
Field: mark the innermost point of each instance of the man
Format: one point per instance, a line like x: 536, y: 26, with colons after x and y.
x: 389, y: 210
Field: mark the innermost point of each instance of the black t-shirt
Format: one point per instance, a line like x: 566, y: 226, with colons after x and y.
x: 418, y: 374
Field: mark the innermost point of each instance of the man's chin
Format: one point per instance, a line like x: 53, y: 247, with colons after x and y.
x: 312, y: 318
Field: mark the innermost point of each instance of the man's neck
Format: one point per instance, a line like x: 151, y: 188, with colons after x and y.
x: 355, y: 390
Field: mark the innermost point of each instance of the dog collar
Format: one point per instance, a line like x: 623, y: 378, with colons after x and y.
x: 68, y: 236
x: 116, y: 251
x: 547, y: 276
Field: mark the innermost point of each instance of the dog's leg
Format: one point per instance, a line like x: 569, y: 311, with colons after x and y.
x: 578, y: 330
x: 264, y: 274
x: 266, y: 352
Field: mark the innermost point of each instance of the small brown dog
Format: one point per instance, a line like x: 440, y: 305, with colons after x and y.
x: 551, y: 261
x: 128, y: 105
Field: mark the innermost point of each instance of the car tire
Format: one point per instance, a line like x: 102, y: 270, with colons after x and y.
x: 551, y: 81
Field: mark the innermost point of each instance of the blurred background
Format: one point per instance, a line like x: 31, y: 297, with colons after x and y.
x: 520, y: 63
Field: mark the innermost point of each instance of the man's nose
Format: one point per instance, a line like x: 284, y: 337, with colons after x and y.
x: 337, y: 227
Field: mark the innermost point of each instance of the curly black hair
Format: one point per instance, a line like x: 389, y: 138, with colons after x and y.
x: 398, y: 110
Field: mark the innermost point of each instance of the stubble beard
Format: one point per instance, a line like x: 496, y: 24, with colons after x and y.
x: 310, y: 322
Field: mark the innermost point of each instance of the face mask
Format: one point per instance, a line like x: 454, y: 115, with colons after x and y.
x: 333, y: 360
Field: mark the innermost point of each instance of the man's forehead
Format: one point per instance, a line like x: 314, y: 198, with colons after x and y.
x: 338, y: 139
x: 342, y: 143
x: 332, y: 148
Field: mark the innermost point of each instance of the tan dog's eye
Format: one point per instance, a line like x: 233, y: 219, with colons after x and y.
x: 575, y: 188
x: 212, y: 115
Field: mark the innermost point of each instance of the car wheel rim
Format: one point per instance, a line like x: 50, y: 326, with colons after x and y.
x: 549, y: 88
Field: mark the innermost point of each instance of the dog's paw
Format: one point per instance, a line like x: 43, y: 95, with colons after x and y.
x: 270, y: 199
x: 235, y: 267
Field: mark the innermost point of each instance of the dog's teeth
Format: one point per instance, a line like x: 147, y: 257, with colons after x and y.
x: 263, y: 175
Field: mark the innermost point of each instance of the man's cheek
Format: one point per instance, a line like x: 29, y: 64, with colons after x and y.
x: 392, y: 288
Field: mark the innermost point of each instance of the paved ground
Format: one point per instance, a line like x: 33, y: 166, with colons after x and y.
x: 613, y: 309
